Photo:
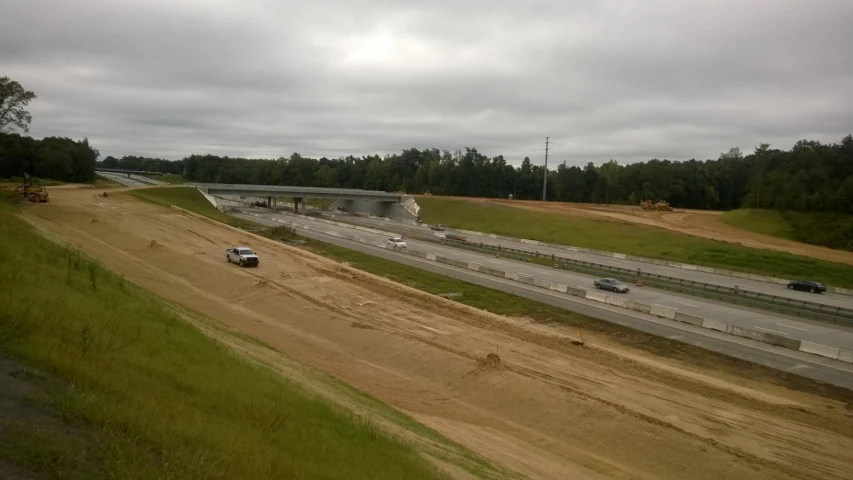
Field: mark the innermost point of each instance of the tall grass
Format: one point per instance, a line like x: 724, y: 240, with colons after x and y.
x: 156, y: 397
x: 629, y: 238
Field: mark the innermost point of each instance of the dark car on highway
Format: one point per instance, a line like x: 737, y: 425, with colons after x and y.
x: 438, y: 227
x: 807, y: 286
x: 611, y: 284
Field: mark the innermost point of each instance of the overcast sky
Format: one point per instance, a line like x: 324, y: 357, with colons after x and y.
x: 623, y: 79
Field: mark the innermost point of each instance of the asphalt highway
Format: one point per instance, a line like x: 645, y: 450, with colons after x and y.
x: 831, y: 299
x: 782, y: 325
x: 811, y: 366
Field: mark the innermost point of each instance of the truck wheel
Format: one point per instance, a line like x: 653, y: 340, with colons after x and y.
x: 227, y: 259
x: 241, y: 262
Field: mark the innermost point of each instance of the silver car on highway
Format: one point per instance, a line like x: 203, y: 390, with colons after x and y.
x: 611, y: 284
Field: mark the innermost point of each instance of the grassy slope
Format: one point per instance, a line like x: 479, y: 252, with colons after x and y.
x: 188, y: 198
x: 155, y: 397
x: 833, y: 230
x: 515, y: 306
x: 628, y: 238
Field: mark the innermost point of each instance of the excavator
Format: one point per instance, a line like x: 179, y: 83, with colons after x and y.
x: 32, y: 191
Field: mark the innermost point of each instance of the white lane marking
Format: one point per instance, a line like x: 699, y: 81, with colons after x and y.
x: 791, y: 326
x: 774, y: 331
x: 685, y: 303
x: 547, y: 274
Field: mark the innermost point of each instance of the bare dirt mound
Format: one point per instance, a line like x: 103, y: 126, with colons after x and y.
x: 698, y: 223
x: 542, y: 406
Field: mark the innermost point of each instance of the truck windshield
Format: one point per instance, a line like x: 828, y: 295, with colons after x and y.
x: 246, y: 251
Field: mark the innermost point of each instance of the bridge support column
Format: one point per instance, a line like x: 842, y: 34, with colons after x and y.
x: 274, y: 204
x: 296, y: 205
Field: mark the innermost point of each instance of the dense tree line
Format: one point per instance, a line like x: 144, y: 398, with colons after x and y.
x: 58, y: 158
x: 809, y: 177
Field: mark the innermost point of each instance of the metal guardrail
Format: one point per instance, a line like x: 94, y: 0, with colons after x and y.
x: 764, y: 301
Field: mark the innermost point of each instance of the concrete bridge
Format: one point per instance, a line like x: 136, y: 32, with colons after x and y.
x: 395, y: 205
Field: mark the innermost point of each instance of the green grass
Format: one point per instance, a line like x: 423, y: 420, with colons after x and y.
x: 629, y: 238
x: 832, y: 230
x: 188, y: 198
x: 154, y: 397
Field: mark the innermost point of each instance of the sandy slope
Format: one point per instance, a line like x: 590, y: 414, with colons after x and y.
x: 548, y: 410
x: 699, y: 223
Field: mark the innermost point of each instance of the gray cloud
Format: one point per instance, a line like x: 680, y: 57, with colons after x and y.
x: 604, y: 79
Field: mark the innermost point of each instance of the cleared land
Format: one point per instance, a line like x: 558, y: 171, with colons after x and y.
x: 540, y: 404
x: 110, y: 382
x: 624, y: 233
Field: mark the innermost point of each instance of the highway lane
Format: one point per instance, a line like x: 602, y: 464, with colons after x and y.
x: 810, y: 366
x: 831, y: 299
x: 760, y: 320
x: 132, y: 181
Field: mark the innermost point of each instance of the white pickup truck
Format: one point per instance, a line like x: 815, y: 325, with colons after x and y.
x: 244, y: 256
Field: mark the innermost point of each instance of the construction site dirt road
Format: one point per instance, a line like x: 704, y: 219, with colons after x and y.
x: 522, y: 395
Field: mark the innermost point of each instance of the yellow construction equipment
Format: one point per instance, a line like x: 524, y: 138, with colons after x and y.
x: 648, y: 205
x: 32, y: 191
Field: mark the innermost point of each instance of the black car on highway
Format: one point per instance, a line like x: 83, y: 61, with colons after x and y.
x: 807, y: 286
x: 611, y: 284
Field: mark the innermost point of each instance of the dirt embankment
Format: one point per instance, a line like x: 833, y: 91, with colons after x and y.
x: 698, y: 223
x: 519, y: 394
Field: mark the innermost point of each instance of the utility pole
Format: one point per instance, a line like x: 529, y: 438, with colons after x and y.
x: 545, y: 175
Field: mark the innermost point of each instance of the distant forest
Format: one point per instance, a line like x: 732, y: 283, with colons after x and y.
x: 809, y: 177
x: 57, y: 158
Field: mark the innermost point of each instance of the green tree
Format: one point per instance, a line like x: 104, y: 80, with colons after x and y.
x: 13, y: 100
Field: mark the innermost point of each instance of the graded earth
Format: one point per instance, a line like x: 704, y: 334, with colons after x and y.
x: 522, y: 395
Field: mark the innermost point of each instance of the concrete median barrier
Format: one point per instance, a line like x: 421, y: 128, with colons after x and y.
x: 818, y: 349
x: 662, y: 311
x: 747, y: 333
x: 845, y: 356
x: 431, y: 256
x: 558, y: 287
x: 706, y: 269
x: 690, y: 267
x: 782, y: 341
x: 457, y: 263
x: 717, y: 325
x: 512, y: 276
x: 526, y: 279
x: 474, y: 266
x: 621, y: 256
x: 542, y: 283
x: 687, y: 318
x: 598, y: 297
x: 615, y: 301
x: 529, y: 242
x: 638, y: 307
x: 576, y: 292
x: 440, y: 259
x: 493, y: 272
